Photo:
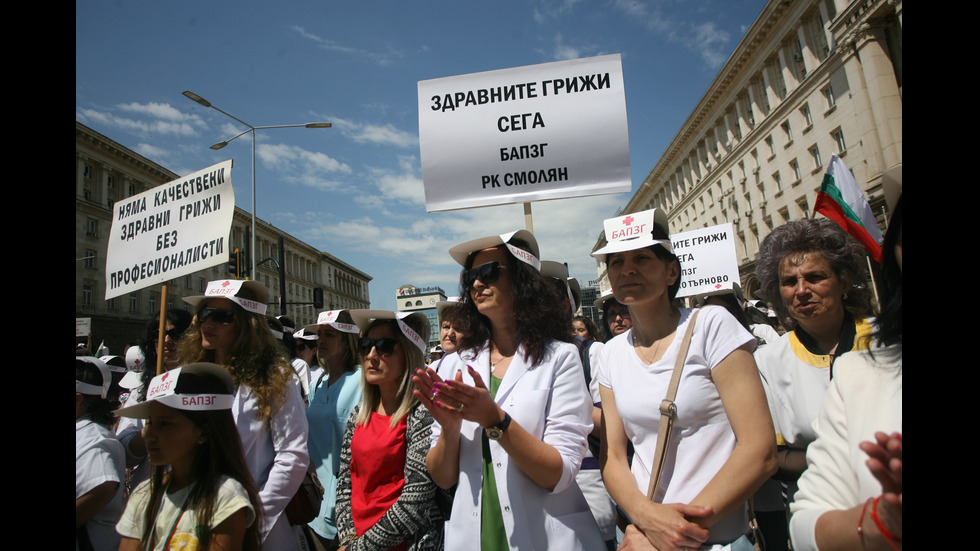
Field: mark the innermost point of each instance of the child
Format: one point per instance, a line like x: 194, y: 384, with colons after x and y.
x: 206, y: 499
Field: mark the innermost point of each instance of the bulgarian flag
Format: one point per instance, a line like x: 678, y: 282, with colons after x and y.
x: 841, y: 200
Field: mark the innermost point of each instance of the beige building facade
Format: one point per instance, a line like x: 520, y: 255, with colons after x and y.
x: 106, y: 172
x: 810, y: 78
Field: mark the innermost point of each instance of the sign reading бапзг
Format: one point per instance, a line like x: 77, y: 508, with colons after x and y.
x: 172, y: 230
x: 531, y: 133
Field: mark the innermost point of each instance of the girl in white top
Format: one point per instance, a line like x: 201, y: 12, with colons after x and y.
x: 200, y: 494
x: 722, y: 446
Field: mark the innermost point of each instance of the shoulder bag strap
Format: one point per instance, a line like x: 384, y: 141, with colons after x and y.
x: 668, y: 410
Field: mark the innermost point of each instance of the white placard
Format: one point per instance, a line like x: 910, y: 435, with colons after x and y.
x: 707, y: 258
x: 172, y: 230
x: 83, y: 326
x: 547, y: 131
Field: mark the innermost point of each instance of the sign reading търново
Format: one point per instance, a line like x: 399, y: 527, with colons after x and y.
x: 169, y: 231
x: 531, y: 133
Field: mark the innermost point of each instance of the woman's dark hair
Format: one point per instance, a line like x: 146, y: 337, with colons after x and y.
x: 219, y: 455
x: 824, y: 237
x: 96, y: 407
x: 181, y: 320
x: 538, y: 309
x: 590, y: 326
x: 606, y: 307
x: 889, y: 321
x: 349, y: 341
x: 730, y: 303
x: 668, y: 257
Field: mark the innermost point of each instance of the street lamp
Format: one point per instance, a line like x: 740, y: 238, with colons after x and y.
x: 251, y: 130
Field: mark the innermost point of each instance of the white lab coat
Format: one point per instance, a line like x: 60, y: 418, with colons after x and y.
x: 550, y: 401
x: 276, y: 458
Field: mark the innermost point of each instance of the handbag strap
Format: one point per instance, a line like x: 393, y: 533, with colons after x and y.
x: 668, y: 410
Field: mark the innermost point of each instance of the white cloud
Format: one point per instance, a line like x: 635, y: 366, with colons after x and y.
x: 385, y: 134
x: 380, y: 58
x: 180, y: 128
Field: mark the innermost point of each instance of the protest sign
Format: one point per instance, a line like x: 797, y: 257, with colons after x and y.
x: 169, y: 231
x: 83, y: 326
x: 707, y: 257
x: 547, y: 131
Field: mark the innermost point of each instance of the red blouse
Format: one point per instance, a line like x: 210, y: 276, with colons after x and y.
x: 377, y: 470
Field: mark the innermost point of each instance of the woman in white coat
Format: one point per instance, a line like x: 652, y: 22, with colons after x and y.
x: 511, y: 408
x: 267, y: 407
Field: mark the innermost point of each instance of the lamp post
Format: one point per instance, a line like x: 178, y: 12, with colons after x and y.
x: 251, y: 130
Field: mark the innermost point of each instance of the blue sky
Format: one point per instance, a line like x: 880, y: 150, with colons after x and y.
x: 355, y: 190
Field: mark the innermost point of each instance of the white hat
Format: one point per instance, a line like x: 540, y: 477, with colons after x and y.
x: 363, y: 319
x: 576, y: 291
x: 163, y: 389
x: 90, y: 389
x: 230, y: 289
x: 306, y: 334
x: 557, y: 270
x: 462, y: 251
x: 635, y: 231
x: 329, y: 317
x: 135, y: 358
x: 116, y: 364
x: 723, y: 288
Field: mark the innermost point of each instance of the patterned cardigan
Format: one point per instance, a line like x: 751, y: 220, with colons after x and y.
x: 415, y: 517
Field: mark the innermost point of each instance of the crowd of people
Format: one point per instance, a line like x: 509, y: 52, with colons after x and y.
x: 527, y: 427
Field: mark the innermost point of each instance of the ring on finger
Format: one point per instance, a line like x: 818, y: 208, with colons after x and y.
x: 460, y: 408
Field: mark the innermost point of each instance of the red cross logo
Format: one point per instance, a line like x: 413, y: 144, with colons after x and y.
x: 627, y: 221
x: 226, y: 283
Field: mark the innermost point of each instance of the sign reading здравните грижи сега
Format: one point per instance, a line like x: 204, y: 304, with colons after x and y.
x: 547, y: 131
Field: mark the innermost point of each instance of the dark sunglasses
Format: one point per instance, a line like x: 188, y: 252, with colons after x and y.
x: 223, y: 317
x: 385, y: 346
x: 172, y: 333
x: 487, y: 273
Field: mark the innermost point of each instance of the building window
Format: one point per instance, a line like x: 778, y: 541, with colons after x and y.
x: 838, y: 136
x: 110, y: 182
x: 92, y: 227
x: 88, y: 294
x: 90, y: 256
x: 787, y: 132
x: 131, y: 190
x: 87, y: 171
x: 778, y: 180
x: 153, y: 302
x: 111, y: 304
x: 804, y: 207
x: 188, y: 283
x: 815, y: 155
x: 795, y: 167
x: 772, y: 146
x: 828, y: 96
x: 203, y: 284
x: 784, y: 214
x: 134, y: 302
x: 807, y: 117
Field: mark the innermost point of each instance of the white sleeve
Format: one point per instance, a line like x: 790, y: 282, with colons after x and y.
x: 828, y: 483
x: 569, y: 416
x: 289, y: 434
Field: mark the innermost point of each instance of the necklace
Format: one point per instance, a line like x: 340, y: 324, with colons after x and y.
x: 638, y: 346
x: 493, y: 364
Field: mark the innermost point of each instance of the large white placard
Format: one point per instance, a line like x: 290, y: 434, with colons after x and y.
x: 708, y: 261
x: 530, y: 133
x: 172, y: 230
x: 83, y: 326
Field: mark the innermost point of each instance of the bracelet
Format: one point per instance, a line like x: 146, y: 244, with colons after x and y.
x: 889, y: 537
x: 861, y: 518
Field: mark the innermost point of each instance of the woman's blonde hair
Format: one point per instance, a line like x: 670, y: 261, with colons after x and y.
x: 257, y: 359
x: 371, y: 394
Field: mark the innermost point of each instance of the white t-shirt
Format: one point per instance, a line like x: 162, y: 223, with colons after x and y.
x: 702, y: 438
x: 188, y: 534
x: 99, y: 458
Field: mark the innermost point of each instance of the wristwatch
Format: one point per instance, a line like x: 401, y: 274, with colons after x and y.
x: 496, y: 432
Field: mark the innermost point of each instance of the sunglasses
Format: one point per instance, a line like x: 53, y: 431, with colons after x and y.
x: 385, y: 346
x: 487, y: 273
x: 172, y: 333
x: 224, y: 317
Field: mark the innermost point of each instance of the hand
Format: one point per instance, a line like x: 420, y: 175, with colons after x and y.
x: 474, y: 403
x: 668, y: 526
x: 885, y: 464
x: 425, y: 383
x: 634, y: 540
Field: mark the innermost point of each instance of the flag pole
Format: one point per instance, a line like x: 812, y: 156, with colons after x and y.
x: 162, y: 331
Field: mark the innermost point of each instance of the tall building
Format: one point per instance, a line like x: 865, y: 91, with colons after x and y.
x: 106, y: 172
x: 810, y: 78
x: 410, y: 298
